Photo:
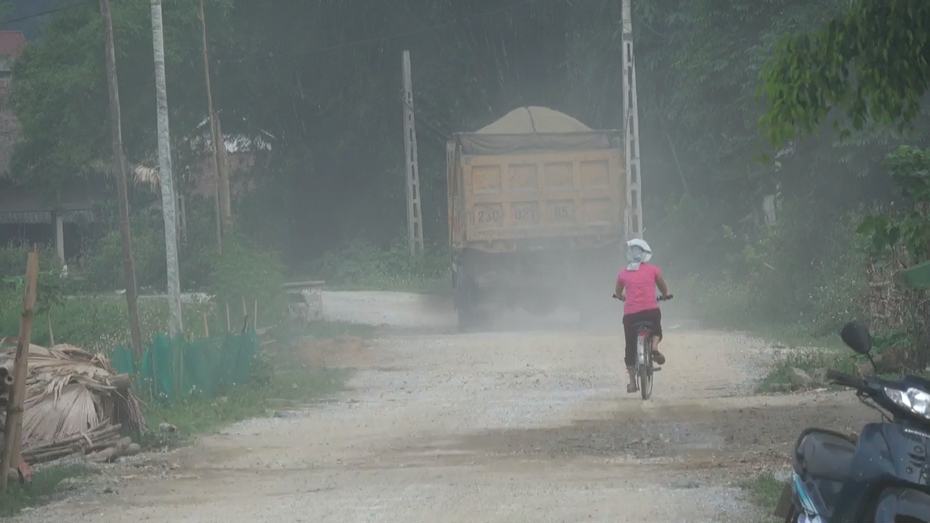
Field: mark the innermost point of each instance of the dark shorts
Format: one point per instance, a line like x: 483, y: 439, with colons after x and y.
x: 652, y: 315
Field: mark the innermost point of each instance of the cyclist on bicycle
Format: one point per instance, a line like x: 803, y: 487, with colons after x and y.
x: 639, y: 280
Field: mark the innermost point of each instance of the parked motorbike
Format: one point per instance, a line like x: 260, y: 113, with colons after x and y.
x: 884, y: 477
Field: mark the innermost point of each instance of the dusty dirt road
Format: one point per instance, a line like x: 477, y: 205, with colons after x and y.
x: 499, y: 427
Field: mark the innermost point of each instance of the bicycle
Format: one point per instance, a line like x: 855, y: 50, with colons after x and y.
x: 643, y: 367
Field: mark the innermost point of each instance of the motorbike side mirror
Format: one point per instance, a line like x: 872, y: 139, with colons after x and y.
x: 856, y: 336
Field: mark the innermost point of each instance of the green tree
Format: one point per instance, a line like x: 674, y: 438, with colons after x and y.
x: 60, y: 99
x: 871, y: 63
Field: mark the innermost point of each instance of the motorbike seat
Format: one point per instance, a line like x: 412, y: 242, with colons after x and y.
x: 825, y: 455
x: 823, y: 460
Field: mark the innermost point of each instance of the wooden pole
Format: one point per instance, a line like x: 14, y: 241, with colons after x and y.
x: 13, y: 428
x: 219, y: 220
x: 119, y: 167
x: 255, y: 315
x: 222, y: 182
x: 206, y: 324
x: 182, y: 214
x: 225, y: 196
x: 228, y: 323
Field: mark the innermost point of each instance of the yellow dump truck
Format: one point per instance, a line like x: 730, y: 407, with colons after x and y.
x: 537, y: 215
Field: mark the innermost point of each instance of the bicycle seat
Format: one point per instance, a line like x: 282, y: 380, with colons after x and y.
x: 643, y: 325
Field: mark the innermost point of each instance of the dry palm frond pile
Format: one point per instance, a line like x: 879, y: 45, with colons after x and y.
x: 74, y: 405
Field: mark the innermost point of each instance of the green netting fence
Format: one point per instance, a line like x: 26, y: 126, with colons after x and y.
x: 171, y: 369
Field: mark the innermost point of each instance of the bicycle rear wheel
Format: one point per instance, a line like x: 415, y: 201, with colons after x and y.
x: 644, y: 374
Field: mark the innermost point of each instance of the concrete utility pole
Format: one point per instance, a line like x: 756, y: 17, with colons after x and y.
x: 414, y: 218
x: 122, y: 189
x: 634, y: 197
x: 168, y: 203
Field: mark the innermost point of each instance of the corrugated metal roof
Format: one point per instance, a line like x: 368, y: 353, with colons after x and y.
x: 43, y: 217
x: 25, y: 217
x: 78, y: 216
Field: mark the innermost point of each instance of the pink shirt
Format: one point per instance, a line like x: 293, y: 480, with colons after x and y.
x: 640, y: 288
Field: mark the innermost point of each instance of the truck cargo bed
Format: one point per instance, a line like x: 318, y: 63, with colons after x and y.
x: 570, y: 193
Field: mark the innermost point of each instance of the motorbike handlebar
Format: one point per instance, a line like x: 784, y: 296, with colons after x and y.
x: 846, y: 380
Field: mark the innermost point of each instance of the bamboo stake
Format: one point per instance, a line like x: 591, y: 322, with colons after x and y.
x: 13, y: 427
x: 255, y: 316
x: 228, y: 323
x: 206, y: 325
x: 154, y: 373
x: 51, y: 334
x: 180, y: 369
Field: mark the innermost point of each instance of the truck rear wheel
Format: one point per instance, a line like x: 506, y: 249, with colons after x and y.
x: 466, y: 320
x: 464, y: 293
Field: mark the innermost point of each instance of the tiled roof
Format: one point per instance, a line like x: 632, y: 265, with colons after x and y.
x: 12, y: 43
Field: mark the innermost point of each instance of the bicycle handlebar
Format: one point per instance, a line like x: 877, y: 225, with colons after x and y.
x: 659, y: 298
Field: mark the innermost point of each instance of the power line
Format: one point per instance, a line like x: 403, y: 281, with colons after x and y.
x: 47, y: 12
x: 426, y: 120
x: 421, y: 30
x: 319, y: 49
x: 335, y: 47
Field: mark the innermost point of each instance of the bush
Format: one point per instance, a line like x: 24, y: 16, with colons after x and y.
x: 805, y: 271
x: 13, y: 258
x: 101, y: 322
x: 102, y: 261
x: 246, y: 271
x: 808, y: 268
x: 361, y: 264
x: 95, y: 323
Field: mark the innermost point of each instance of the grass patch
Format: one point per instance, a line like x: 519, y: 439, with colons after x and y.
x: 331, y: 329
x: 764, y: 492
x: 46, y: 483
x: 197, y: 415
x: 278, y: 375
x: 804, y: 349
x: 813, y: 362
